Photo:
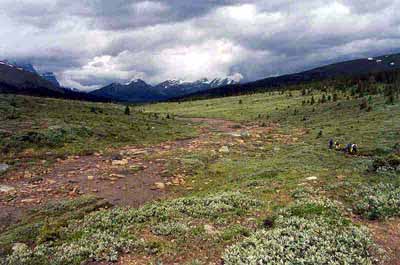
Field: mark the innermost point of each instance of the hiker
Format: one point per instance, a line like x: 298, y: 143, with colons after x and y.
x: 331, y: 144
x: 354, y: 148
x: 351, y: 148
x: 337, y: 146
x: 348, y: 148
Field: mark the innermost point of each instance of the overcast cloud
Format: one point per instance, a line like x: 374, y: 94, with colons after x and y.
x: 91, y: 43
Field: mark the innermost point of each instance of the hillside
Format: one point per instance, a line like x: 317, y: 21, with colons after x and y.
x: 347, y: 69
x: 16, y: 80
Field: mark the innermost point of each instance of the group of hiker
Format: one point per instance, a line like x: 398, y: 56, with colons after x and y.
x: 350, y: 148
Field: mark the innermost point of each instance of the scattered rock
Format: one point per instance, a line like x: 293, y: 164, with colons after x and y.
x: 19, y: 247
x: 340, y: 177
x: 311, y: 178
x: 210, y: 230
x: 90, y: 177
x: 5, y: 188
x: 175, y: 181
x: 28, y: 200
x: 117, y: 157
x: 4, y: 167
x: 240, y: 141
x: 122, y: 162
x: 245, y: 134
x: 224, y: 149
x: 159, y: 185
x: 27, y: 174
x: 120, y: 176
x: 235, y: 134
x: 51, y: 181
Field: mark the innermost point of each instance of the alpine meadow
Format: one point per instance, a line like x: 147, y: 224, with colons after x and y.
x: 199, y: 132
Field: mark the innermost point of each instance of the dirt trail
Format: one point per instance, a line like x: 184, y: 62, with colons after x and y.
x: 127, y: 177
x: 387, y: 235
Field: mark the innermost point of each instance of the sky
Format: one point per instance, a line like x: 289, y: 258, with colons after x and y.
x: 91, y: 43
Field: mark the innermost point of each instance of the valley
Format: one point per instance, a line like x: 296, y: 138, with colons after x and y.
x: 195, y: 182
x: 153, y: 132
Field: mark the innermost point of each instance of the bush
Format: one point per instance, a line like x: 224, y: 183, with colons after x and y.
x: 169, y: 228
x: 104, y: 234
x: 388, y: 163
x: 378, y: 202
x: 363, y: 104
x: 127, y: 110
x: 309, y: 238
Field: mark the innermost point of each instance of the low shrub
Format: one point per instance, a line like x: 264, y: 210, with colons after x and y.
x: 388, y: 163
x: 104, y: 234
x: 318, y: 234
x: 169, y: 228
x: 378, y: 201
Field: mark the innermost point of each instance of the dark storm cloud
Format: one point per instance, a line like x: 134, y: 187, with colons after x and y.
x: 91, y: 43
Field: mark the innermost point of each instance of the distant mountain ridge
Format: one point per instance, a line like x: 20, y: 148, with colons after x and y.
x: 15, y: 79
x: 347, y: 68
x: 135, y: 91
x: 26, y: 66
x: 139, y: 91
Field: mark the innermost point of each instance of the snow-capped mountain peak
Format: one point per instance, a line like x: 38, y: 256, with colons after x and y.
x: 5, y: 62
x: 135, y: 81
x: 230, y: 80
x: 172, y: 83
x: 51, y: 77
x: 22, y: 66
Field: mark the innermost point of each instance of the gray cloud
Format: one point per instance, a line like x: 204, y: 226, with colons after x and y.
x: 91, y: 43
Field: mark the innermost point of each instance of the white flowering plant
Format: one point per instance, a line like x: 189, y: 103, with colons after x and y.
x: 307, y: 232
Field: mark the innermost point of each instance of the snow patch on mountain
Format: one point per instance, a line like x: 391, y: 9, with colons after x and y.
x: 51, y: 77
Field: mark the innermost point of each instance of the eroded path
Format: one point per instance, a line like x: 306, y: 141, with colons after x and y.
x: 128, y: 176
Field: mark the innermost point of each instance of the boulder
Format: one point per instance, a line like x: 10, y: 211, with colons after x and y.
x: 4, y: 167
x: 224, y: 149
x: 122, y: 162
x: 20, y: 247
x: 210, y: 230
x: 5, y: 188
x: 159, y: 185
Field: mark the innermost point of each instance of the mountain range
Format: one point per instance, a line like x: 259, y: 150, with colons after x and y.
x: 22, y: 78
x: 347, y: 68
x: 139, y: 91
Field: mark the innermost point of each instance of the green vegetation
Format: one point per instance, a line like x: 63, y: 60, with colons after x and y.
x: 38, y: 126
x: 378, y: 201
x: 104, y: 234
x: 309, y: 232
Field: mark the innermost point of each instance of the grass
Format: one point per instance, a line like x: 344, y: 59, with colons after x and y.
x: 42, y: 127
x: 256, y: 194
